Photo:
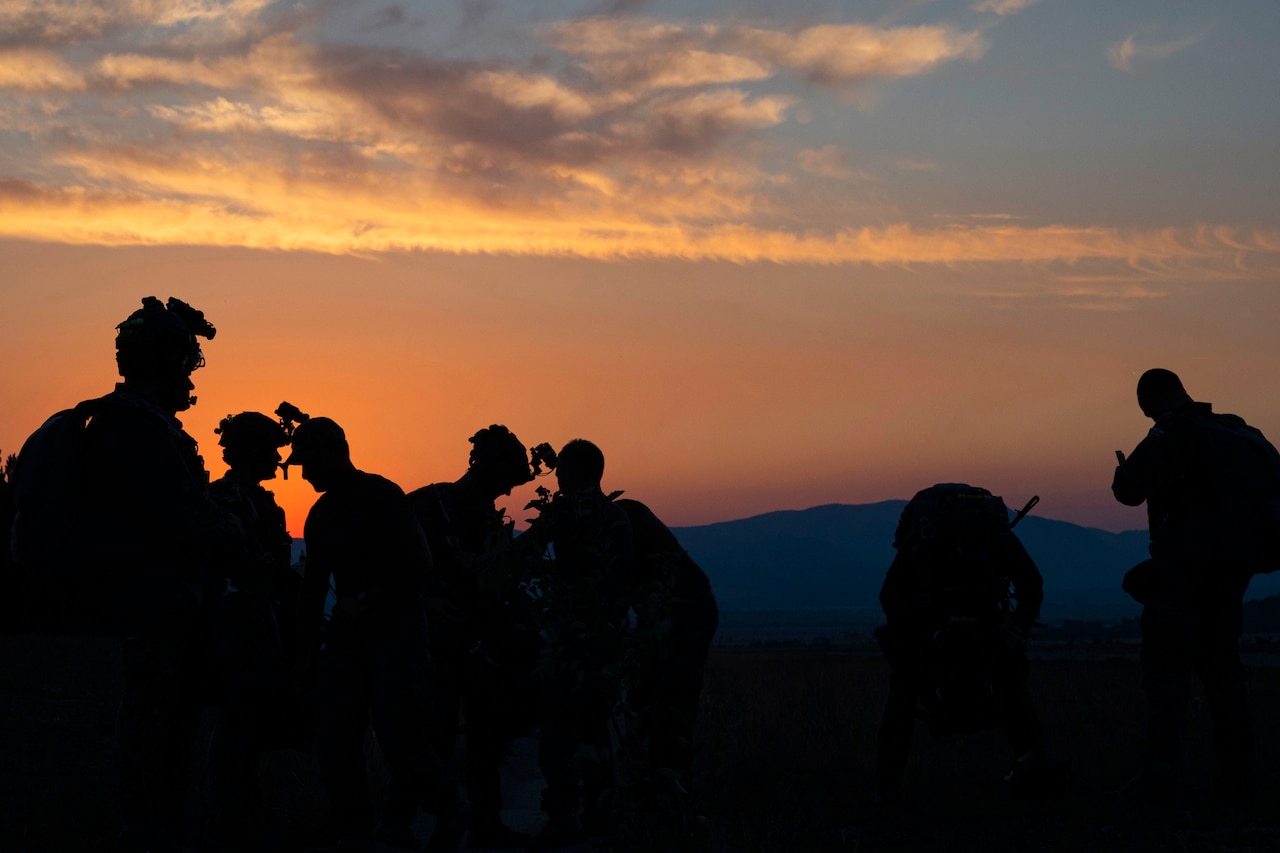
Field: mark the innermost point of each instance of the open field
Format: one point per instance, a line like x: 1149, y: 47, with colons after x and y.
x: 790, y: 738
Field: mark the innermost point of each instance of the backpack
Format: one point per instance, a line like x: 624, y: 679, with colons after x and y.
x: 1243, y: 476
x: 58, y: 587
x: 949, y: 535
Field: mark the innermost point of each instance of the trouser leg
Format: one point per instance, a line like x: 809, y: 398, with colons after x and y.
x: 1021, y: 724
x: 897, y: 727
x: 1216, y: 660
x: 564, y: 700
x: 1166, y: 677
x: 401, y: 681
x: 490, y: 729
x: 158, y: 720
x: 342, y: 718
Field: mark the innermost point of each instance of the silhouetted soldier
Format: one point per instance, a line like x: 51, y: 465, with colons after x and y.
x: 486, y: 654
x: 953, y: 640
x: 374, y: 664
x: 251, y: 612
x: 587, y: 625
x: 11, y: 611
x: 1202, y: 558
x: 676, y: 611
x: 147, y: 504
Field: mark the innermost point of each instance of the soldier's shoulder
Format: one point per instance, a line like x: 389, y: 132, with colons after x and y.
x: 224, y: 486
x: 432, y: 491
x: 378, y: 487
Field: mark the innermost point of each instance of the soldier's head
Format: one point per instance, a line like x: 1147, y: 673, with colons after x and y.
x: 156, y: 349
x: 1160, y: 391
x: 320, y: 447
x: 498, y: 461
x: 580, y: 465
x: 251, y: 444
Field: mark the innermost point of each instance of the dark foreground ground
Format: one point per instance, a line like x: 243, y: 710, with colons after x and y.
x: 790, y: 738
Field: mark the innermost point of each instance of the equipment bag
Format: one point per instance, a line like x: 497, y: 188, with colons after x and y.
x: 1244, y: 475
x: 948, y: 533
x: 61, y: 589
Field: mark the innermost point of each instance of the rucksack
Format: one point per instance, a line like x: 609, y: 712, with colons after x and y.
x: 1243, y: 474
x: 60, y: 588
x: 949, y: 532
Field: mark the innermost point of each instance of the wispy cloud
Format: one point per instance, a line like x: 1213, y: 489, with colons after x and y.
x: 827, y: 162
x: 645, y: 54
x: 1002, y: 7
x: 26, y: 70
x: 1127, y: 55
x: 60, y: 22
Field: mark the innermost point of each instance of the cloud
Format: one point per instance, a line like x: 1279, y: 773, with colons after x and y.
x: 1002, y: 7
x: 826, y: 162
x: 648, y: 54
x: 1123, y: 55
x: 834, y: 54
x: 63, y: 22
x: 229, y: 204
x: 915, y: 165
x: 37, y: 71
x: 203, y: 123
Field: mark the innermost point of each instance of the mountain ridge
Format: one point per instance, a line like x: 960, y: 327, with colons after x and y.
x: 834, y: 556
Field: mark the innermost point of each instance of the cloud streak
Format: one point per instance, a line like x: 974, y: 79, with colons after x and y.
x: 1003, y: 7
x: 1128, y: 55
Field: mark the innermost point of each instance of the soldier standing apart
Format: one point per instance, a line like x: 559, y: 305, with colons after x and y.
x: 251, y: 607
x: 676, y: 610
x: 485, y: 654
x: 1192, y: 588
x: 587, y: 627
x: 954, y: 642
x: 147, y: 504
x: 374, y: 664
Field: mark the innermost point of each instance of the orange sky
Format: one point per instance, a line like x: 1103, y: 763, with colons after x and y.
x: 716, y: 390
x: 767, y: 256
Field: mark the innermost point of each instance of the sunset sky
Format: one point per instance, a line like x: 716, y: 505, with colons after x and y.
x: 767, y: 255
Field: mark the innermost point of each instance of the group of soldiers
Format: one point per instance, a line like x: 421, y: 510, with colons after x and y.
x: 422, y: 616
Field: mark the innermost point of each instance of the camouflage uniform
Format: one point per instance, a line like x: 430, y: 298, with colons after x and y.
x: 677, y: 612
x: 10, y: 614
x: 251, y: 608
x: 484, y: 665
x: 1192, y: 606
x: 589, y: 595
x: 148, y: 506
x: 374, y: 664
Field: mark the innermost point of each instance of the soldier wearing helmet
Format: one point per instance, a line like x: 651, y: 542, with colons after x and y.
x: 251, y: 608
x: 589, y: 596
x: 150, y: 515
x: 482, y: 641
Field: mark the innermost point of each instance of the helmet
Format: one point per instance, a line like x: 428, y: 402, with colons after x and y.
x: 160, y: 342
x: 316, y: 437
x: 499, y: 455
x: 250, y: 428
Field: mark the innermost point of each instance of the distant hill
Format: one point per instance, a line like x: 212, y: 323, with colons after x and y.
x: 835, y: 556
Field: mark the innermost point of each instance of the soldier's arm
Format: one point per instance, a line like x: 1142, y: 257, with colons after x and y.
x: 311, y: 595
x: 169, y: 489
x: 896, y: 594
x: 1145, y: 470
x: 1028, y: 585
